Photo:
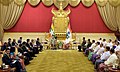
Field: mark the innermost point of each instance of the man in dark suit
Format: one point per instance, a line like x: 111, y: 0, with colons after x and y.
x: 31, y: 50
x: 9, y: 42
x: 39, y: 45
x: 5, y: 45
x: 6, y: 57
x: 20, y: 40
x: 14, y: 43
x: 27, y: 56
x: 35, y: 48
x: 10, y: 60
x: 83, y: 43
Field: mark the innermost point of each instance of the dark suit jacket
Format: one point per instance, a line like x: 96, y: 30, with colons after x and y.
x: 24, y: 49
x: 38, y: 43
x: 83, y: 43
x: 21, y: 51
x: 9, y: 44
x: 89, y: 44
x: 3, y: 48
x: 6, y: 59
x: 28, y: 45
x: 14, y: 43
x: 19, y: 41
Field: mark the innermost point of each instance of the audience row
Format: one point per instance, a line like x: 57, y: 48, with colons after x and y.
x: 104, y: 55
x: 18, y: 54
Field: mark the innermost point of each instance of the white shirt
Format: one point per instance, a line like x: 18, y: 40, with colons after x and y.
x: 92, y: 46
x: 104, y: 43
x: 96, y: 48
x: 100, y: 41
x: 67, y: 41
x: 105, y: 55
x: 117, y: 48
x: 112, y: 60
x: 109, y: 44
x: 100, y: 51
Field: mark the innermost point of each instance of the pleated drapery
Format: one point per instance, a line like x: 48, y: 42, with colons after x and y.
x: 118, y: 17
x: 9, y: 15
x: 110, y: 14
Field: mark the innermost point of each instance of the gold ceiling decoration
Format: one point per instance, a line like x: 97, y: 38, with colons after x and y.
x: 57, y: 3
x: 33, y: 2
x: 87, y: 3
x: 20, y: 2
x: 74, y: 2
x: 47, y: 2
x: 101, y: 2
x: 65, y: 3
x: 6, y: 2
x: 114, y: 2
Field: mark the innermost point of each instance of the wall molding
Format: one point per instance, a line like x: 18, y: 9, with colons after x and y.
x: 34, y: 35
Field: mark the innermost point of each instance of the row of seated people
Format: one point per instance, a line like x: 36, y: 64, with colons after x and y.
x: 18, y: 54
x: 104, y: 55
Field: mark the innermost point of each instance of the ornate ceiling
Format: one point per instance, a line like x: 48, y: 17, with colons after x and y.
x: 72, y: 3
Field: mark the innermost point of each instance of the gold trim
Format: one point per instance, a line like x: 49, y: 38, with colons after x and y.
x: 87, y: 3
x: 20, y: 2
x: 101, y: 2
x: 57, y: 3
x: 33, y: 2
x: 6, y: 2
x: 47, y: 2
x: 74, y: 2
x: 114, y: 2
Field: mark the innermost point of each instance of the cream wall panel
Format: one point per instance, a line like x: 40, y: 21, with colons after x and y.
x: 79, y: 36
x: 94, y: 36
x: 16, y: 35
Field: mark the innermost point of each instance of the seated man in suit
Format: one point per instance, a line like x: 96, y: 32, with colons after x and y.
x: 10, y: 59
x: 9, y: 42
x: 14, y: 43
x: 31, y: 50
x: 83, y: 44
x: 27, y: 48
x: 20, y: 40
x: 5, y: 45
x: 26, y: 55
x: 6, y: 57
x: 39, y: 45
x: 32, y: 44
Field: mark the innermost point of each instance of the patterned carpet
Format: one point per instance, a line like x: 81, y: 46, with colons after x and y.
x: 60, y: 61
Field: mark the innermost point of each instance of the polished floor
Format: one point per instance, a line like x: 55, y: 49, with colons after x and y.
x: 60, y: 61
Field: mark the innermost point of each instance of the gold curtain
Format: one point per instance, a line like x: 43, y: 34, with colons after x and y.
x: 1, y: 28
x: 1, y: 32
x: 108, y: 14
x: 118, y: 17
x: 9, y: 14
